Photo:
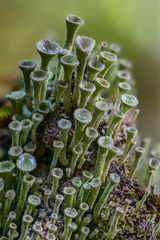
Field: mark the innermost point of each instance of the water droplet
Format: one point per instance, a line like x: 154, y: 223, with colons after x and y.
x: 26, y: 162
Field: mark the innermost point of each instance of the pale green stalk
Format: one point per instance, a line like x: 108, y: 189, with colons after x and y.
x: 108, y: 59
x: 139, y: 154
x: 86, y: 91
x: 57, y: 146
x: 94, y: 233
x: 47, y: 195
x: 113, y: 180
x: 38, y: 78
x: 8, y: 201
x: 13, y: 234
x: 1, y: 200
x: 65, y: 126
x: 69, y: 214
x: 94, y: 67
x: 104, y: 144
x: 101, y: 85
x: 37, y: 231
x: 17, y: 100
x: 83, y: 208
x: 71, y: 227
x: 89, y: 136
x: 56, y: 174
x: 10, y: 218
x: 84, y: 45
x: 60, y: 92
x: 84, y: 233
x: 95, y: 187
x: 58, y: 201
x: 114, y: 122
x: 6, y: 172
x: 69, y: 194
x: 26, y: 221
x: 123, y: 87
x: 77, y: 151
x: 86, y: 220
x: 82, y: 117
x: 73, y: 23
x: 113, y: 223
x: 112, y: 154
x: 32, y: 202
x: 52, y: 229
x: 100, y: 107
x: 69, y: 62
x: 26, y: 128
x: 37, y: 118
x: 15, y: 128
x: 27, y: 183
x: 27, y: 66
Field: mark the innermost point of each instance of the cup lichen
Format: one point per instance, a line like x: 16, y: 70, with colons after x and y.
x: 74, y: 128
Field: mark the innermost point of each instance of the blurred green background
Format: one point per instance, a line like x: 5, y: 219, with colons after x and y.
x: 134, y: 24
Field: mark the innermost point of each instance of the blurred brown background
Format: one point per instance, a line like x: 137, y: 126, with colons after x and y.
x: 135, y: 25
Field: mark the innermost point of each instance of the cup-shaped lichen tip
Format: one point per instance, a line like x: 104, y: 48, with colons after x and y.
x: 105, y: 142
x: 38, y: 76
x: 85, y: 44
x: 124, y: 76
x: 128, y: 101
x: 72, y: 24
x: 82, y: 115
x: 95, y: 65
x: 27, y: 66
x: 16, y: 95
x: 6, y: 166
x: 69, y: 60
x: 64, y: 124
x: 74, y: 20
x: 47, y: 47
x: 154, y: 163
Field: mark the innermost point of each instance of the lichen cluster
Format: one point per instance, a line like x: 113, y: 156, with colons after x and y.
x: 75, y: 150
